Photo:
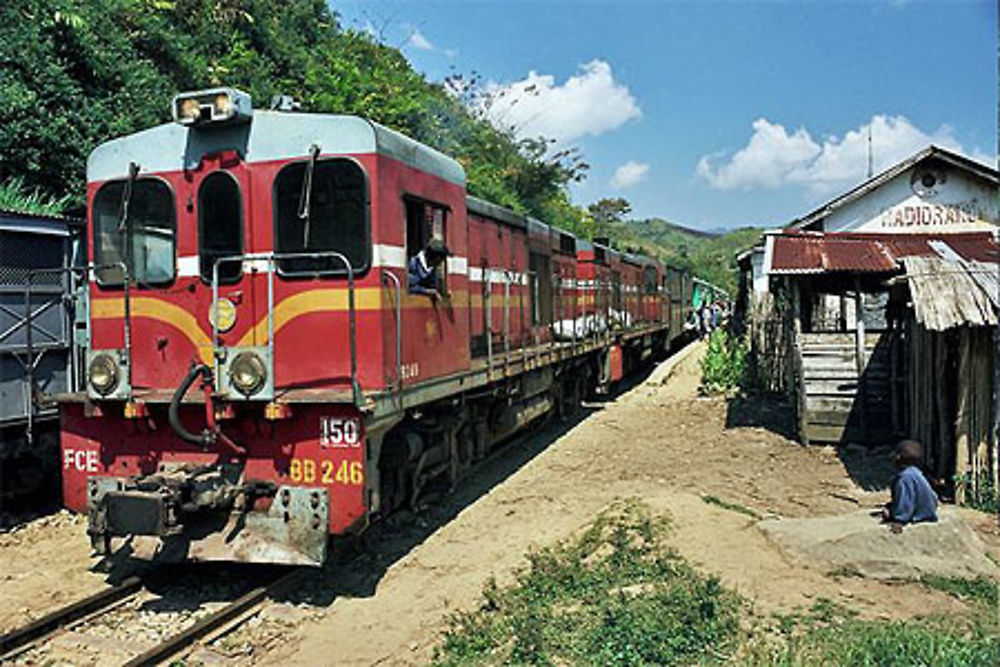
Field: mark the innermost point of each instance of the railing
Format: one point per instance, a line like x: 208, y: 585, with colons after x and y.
x: 271, y: 259
x: 399, y: 324
x: 488, y: 276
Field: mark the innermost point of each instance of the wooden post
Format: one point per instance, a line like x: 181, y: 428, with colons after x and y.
x: 861, y: 394
x: 966, y: 384
x: 798, y: 385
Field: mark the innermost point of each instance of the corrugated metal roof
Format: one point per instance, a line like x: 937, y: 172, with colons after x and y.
x: 946, y: 295
x: 818, y: 254
x: 811, y: 252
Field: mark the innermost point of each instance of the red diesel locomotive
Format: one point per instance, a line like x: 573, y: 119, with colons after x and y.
x: 259, y: 376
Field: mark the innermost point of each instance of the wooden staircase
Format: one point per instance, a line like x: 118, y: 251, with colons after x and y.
x: 841, y: 398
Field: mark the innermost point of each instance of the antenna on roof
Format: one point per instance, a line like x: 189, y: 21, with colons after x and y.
x: 871, y: 168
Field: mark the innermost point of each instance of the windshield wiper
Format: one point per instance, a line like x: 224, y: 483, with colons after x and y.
x: 133, y: 173
x: 305, y: 196
x: 124, y: 226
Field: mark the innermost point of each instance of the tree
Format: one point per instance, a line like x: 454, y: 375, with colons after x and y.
x: 606, y: 213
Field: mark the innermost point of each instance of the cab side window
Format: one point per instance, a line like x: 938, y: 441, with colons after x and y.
x: 220, y: 226
x: 425, y: 220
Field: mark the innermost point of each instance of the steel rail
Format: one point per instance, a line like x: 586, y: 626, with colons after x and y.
x: 180, y: 641
x: 50, y: 623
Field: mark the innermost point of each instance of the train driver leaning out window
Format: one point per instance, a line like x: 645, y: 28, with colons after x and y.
x: 422, y: 269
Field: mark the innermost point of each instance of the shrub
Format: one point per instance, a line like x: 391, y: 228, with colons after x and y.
x: 725, y: 367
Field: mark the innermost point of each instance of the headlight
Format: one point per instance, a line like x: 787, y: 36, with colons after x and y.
x: 247, y: 373
x: 227, y: 315
x: 103, y: 374
x: 223, y: 106
x: 188, y: 111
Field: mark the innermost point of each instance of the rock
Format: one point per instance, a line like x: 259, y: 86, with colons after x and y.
x: 284, y: 613
x: 860, y: 542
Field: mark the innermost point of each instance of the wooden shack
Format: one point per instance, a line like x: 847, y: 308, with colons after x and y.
x: 877, y: 314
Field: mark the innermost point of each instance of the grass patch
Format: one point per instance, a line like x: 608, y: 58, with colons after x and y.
x: 732, y: 507
x: 883, y: 643
x: 616, y: 595
x: 981, y: 590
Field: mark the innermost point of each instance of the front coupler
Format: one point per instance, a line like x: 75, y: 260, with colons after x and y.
x: 208, y: 512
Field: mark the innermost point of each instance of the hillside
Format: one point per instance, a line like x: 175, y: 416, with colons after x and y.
x: 709, y: 256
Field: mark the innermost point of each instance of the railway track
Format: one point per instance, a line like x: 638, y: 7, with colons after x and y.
x: 110, y: 610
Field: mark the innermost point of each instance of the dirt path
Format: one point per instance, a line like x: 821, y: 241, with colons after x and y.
x: 659, y: 442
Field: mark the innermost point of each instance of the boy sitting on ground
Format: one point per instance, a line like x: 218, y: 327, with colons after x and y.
x: 913, y: 500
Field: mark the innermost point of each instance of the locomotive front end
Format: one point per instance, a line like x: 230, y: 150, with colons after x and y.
x: 223, y: 417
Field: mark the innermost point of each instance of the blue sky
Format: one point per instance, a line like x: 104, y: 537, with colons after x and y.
x: 717, y: 114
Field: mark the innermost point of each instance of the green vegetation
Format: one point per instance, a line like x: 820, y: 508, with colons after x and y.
x: 732, y: 507
x: 614, y: 596
x: 79, y: 72
x: 885, y: 644
x: 981, y: 496
x: 725, y: 367
x: 981, y: 590
x: 831, y: 634
x: 14, y: 196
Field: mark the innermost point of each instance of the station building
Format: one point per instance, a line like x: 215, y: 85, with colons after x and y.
x: 876, y: 315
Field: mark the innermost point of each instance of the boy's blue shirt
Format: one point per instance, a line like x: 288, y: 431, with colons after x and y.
x: 422, y: 278
x: 913, y: 499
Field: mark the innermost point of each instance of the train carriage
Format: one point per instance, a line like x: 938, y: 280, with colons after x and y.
x: 39, y: 255
x: 259, y: 375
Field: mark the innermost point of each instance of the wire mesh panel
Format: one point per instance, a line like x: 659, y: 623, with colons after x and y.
x: 21, y: 253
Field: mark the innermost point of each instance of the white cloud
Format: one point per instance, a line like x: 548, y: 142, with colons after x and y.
x: 774, y: 157
x: 629, y: 173
x: 590, y: 103
x: 418, y: 41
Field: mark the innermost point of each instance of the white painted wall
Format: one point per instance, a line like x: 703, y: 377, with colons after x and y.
x: 960, y: 204
x: 761, y: 280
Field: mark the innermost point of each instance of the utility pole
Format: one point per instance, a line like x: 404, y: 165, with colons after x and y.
x: 871, y: 162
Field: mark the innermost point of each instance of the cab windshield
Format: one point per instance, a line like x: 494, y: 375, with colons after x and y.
x: 143, y: 240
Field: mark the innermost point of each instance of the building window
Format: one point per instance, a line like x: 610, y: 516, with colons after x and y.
x: 143, y: 240
x: 337, y: 219
x: 220, y: 226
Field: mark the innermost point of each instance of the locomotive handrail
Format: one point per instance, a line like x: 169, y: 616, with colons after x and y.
x: 271, y: 258
x: 399, y: 324
x: 488, y: 275
x: 506, y: 318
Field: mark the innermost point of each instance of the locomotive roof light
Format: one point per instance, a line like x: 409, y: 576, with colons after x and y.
x: 247, y: 373
x: 214, y: 106
x: 103, y: 374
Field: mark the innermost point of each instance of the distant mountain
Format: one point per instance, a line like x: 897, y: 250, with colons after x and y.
x: 659, y: 225
x: 709, y: 255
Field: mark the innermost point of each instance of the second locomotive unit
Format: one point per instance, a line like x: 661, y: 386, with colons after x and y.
x: 260, y: 376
